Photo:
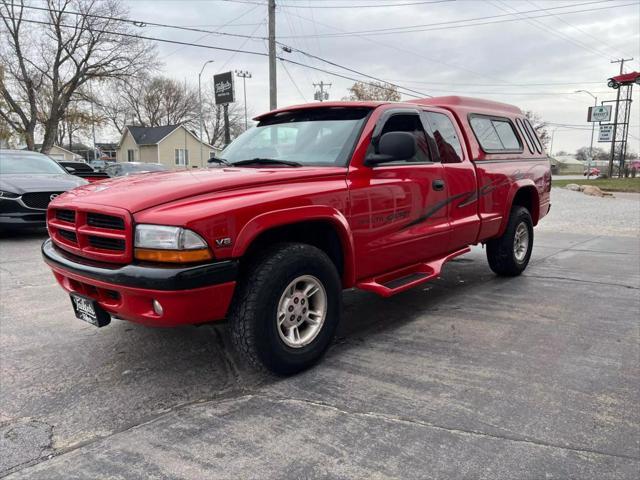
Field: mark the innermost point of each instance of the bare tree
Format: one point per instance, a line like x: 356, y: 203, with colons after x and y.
x: 149, y: 102
x: 539, y: 126
x: 213, y: 116
x: 55, y: 53
x: 361, y: 91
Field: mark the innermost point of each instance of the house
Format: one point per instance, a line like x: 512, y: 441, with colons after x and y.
x: 174, y: 146
x: 568, y: 165
x: 59, y: 153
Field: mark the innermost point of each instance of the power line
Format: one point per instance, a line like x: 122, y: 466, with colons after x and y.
x: 140, y: 22
x: 284, y: 66
x: 542, y: 26
x: 374, y: 5
x: 453, y: 24
x: 575, y: 27
x: 226, y: 24
x: 248, y: 52
x: 359, y: 73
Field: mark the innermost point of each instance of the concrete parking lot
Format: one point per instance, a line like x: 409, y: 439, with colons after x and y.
x: 471, y: 376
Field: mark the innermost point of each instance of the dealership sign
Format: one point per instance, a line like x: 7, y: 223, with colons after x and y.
x: 606, y: 133
x: 600, y: 113
x: 223, y: 85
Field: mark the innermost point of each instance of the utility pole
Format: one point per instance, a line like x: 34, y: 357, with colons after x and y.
x: 273, y: 85
x: 615, y: 119
x: 320, y: 95
x: 593, y: 126
x: 227, y: 130
x: 244, y: 75
x: 200, y: 104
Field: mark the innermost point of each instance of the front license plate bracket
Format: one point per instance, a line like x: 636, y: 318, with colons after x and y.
x: 88, y: 310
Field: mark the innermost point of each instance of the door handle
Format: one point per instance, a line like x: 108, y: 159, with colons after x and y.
x: 438, y: 184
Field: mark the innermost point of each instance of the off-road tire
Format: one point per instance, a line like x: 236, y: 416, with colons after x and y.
x: 253, y: 313
x: 501, y: 252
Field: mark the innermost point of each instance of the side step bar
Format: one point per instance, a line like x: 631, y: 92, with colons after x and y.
x: 390, y: 283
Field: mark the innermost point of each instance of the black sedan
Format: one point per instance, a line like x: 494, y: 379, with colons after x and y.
x: 28, y: 182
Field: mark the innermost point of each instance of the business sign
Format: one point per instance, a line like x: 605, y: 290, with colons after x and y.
x: 606, y: 133
x: 600, y: 113
x: 223, y: 85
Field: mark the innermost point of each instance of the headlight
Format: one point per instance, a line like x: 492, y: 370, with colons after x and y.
x: 159, y: 243
x: 5, y: 194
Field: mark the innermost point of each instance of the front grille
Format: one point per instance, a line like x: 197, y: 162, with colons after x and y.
x: 105, y: 243
x: 39, y: 200
x: 99, y: 236
x: 105, y: 221
x: 71, y: 236
x: 66, y: 215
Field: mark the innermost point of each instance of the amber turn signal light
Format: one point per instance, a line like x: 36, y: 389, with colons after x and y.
x: 173, y: 256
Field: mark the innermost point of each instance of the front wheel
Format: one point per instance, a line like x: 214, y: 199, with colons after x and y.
x: 287, y: 308
x: 509, y: 254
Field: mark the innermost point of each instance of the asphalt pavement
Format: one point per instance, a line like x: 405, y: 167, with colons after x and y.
x: 470, y: 376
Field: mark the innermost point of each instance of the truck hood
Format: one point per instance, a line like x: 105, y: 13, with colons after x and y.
x: 139, y: 192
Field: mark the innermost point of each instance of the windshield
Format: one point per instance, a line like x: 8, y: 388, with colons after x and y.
x: 28, y: 163
x: 319, y: 137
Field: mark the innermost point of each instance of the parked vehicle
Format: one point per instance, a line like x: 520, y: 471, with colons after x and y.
x: 131, y: 168
x: 593, y: 172
x: 315, y: 199
x: 99, y: 165
x: 83, y: 170
x: 28, y: 182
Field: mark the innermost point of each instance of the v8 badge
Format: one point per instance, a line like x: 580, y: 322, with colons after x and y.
x: 223, y: 242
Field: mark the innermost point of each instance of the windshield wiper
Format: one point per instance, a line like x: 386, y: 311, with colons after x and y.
x: 221, y: 161
x: 267, y: 161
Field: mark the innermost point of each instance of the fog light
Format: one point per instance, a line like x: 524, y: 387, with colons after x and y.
x: 157, y: 307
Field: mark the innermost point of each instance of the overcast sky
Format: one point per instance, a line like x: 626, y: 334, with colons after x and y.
x: 536, y: 64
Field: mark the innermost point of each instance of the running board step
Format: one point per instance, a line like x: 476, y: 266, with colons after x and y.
x: 389, y: 284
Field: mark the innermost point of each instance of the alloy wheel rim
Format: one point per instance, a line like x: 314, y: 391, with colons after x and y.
x: 302, y: 310
x: 521, y: 242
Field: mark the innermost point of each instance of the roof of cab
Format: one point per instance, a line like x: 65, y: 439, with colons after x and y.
x: 452, y: 102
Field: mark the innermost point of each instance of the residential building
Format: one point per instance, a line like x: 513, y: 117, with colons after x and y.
x: 59, y: 153
x: 174, y: 146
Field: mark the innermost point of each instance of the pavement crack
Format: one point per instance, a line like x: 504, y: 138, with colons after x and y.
x: 593, y: 282
x: 459, y: 431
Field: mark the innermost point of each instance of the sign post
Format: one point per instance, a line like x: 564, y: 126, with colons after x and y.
x: 224, y: 95
x: 606, y: 133
x: 599, y: 113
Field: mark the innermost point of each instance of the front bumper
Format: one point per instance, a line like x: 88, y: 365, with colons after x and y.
x: 15, y: 215
x: 188, y: 295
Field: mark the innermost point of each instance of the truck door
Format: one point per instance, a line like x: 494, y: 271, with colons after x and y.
x: 398, y: 209
x: 460, y: 176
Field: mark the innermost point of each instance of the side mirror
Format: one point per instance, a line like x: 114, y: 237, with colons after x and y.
x: 393, y: 146
x: 70, y: 169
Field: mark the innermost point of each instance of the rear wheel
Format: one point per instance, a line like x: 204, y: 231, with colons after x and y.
x: 509, y: 254
x: 287, y: 308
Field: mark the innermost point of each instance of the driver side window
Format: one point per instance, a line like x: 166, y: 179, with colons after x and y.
x: 407, y: 122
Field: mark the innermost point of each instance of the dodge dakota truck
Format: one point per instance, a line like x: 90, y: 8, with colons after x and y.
x: 314, y: 199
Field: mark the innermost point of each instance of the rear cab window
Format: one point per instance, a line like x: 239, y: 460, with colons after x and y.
x: 495, y: 134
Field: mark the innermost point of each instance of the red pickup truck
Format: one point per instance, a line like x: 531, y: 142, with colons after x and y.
x: 315, y: 199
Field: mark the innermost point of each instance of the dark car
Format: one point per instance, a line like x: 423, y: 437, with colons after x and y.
x: 28, y: 182
x: 131, y: 168
x: 99, y: 165
x: 83, y: 170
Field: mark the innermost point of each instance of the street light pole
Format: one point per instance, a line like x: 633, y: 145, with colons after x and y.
x: 593, y: 126
x: 200, y: 103
x: 244, y: 75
